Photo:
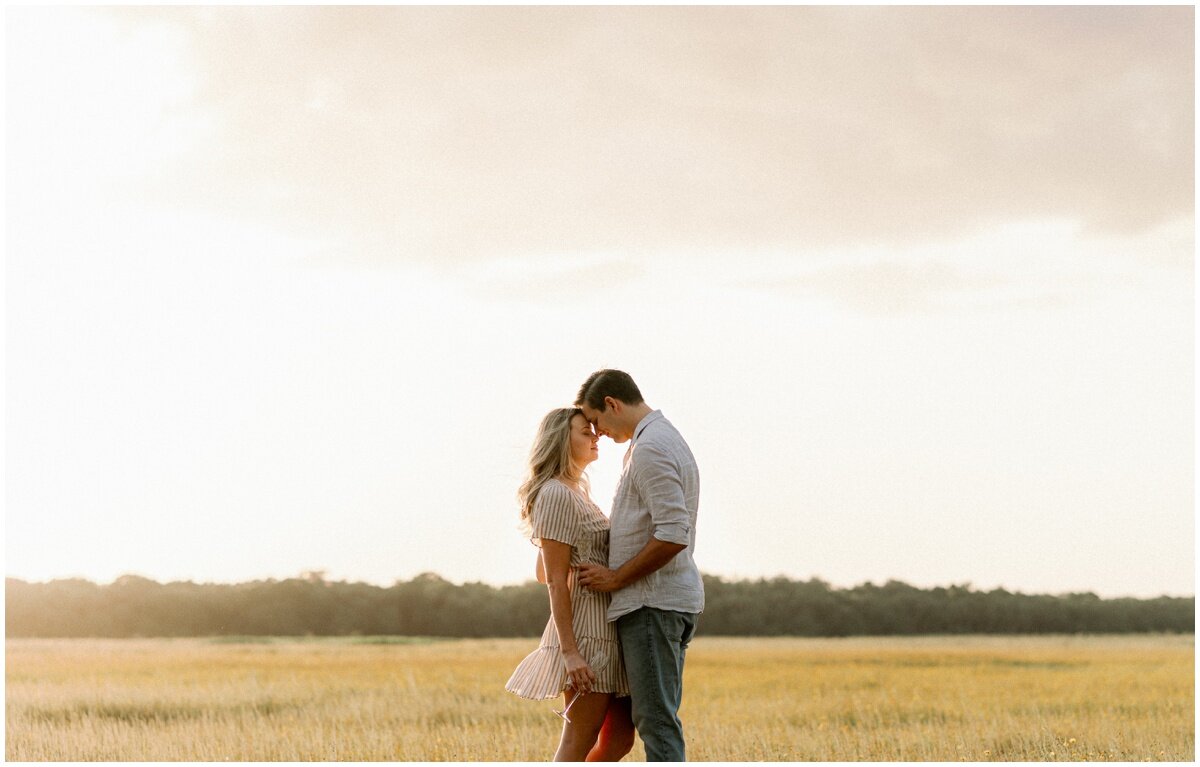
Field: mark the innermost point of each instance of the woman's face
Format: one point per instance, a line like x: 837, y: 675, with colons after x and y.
x: 583, y: 441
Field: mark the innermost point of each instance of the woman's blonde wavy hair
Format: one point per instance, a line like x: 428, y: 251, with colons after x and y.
x: 550, y: 457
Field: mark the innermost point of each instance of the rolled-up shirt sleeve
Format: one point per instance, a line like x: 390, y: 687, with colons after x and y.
x: 657, y: 480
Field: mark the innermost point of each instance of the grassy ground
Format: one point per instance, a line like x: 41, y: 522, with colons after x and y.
x: 879, y: 699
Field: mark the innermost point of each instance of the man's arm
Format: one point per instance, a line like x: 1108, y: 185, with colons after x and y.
x: 653, y: 556
x: 658, y: 483
x: 657, y: 480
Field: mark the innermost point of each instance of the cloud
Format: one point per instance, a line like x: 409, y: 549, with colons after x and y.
x: 1027, y: 264
x: 886, y: 286
x: 552, y: 277
x: 407, y: 134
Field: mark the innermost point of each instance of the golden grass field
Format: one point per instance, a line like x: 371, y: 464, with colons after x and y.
x: 1057, y: 698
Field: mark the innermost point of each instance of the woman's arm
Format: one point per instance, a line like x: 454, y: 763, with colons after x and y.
x: 557, y: 562
x: 540, y: 570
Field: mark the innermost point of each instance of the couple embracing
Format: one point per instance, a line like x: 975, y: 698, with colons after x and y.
x: 624, y: 590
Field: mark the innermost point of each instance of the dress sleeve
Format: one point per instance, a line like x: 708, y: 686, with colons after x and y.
x: 554, y: 515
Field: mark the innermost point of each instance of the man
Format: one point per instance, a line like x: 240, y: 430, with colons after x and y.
x: 656, y: 589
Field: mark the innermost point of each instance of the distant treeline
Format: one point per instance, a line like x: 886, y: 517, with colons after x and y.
x: 430, y: 606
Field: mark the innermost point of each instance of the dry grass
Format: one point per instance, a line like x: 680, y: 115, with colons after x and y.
x: 947, y: 699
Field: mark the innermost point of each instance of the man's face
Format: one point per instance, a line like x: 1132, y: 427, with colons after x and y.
x: 607, y: 422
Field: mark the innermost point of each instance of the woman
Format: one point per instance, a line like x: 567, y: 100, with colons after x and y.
x: 579, y: 654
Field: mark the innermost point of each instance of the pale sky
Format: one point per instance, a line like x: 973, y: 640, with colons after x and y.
x: 291, y: 288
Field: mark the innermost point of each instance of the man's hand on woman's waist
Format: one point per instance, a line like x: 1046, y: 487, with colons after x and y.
x: 598, y: 577
x: 653, y: 555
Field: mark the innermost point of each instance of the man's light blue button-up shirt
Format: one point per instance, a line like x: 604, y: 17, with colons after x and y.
x: 657, y: 496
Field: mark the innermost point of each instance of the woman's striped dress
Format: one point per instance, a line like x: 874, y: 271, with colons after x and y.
x: 560, y: 514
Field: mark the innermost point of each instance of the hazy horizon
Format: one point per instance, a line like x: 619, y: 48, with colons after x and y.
x: 289, y: 288
x: 308, y: 575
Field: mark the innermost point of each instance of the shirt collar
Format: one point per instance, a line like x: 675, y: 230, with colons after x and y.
x: 647, y: 419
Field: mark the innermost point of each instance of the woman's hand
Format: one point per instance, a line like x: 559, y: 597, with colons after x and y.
x: 579, y: 672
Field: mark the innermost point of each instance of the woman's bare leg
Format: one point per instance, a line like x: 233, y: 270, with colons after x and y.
x: 616, y: 734
x: 587, y: 717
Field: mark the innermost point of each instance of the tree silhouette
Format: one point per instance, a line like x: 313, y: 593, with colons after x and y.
x: 429, y: 605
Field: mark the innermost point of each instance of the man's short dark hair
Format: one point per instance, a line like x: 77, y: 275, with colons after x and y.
x: 608, y: 383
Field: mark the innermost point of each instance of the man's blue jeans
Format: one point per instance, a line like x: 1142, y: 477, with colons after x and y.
x: 653, y: 643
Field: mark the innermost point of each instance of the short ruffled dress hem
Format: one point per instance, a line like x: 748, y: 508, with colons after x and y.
x: 542, y: 675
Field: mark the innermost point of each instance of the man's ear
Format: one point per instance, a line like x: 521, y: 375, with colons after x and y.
x: 613, y: 404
